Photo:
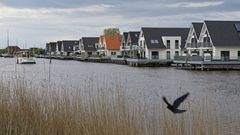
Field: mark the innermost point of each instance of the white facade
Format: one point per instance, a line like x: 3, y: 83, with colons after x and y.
x: 172, y: 44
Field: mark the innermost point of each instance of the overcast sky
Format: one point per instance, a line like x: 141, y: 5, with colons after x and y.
x: 35, y: 22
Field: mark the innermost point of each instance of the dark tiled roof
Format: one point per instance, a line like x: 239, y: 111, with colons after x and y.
x: 59, y: 45
x: 157, y: 33
x: 223, y: 33
x: 134, y: 36
x: 197, y: 27
x: 68, y: 45
x: 89, y: 43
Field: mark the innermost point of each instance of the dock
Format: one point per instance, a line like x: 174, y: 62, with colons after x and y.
x: 198, y: 63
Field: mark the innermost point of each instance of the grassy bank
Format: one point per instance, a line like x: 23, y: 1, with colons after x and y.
x: 44, y: 111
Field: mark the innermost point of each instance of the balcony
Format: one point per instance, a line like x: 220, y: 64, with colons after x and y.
x: 192, y: 45
x: 125, y: 48
x: 205, y: 45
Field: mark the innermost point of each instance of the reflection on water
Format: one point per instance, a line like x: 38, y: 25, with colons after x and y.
x: 220, y: 87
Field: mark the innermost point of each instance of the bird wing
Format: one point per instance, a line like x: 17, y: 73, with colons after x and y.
x: 165, y: 100
x: 178, y: 101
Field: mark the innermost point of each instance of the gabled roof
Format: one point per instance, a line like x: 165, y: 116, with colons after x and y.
x: 197, y: 28
x: 68, y: 45
x: 157, y: 33
x: 223, y: 33
x: 113, y: 42
x: 124, y: 38
x: 134, y: 36
x: 89, y: 43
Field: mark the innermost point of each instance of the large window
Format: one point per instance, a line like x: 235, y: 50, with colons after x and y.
x: 168, y: 55
x: 168, y: 44
x: 225, y: 55
x: 155, y: 55
x: 176, y: 44
x: 176, y: 53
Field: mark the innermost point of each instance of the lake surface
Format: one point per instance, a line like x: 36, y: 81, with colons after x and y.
x: 220, y: 87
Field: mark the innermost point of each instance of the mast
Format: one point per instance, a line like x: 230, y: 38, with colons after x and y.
x: 8, y: 42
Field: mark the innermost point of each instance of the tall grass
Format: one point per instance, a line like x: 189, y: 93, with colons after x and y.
x: 44, y: 111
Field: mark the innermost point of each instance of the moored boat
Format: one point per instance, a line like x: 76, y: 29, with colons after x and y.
x: 25, y: 58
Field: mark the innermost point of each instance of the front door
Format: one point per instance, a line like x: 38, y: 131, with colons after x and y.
x: 225, y: 55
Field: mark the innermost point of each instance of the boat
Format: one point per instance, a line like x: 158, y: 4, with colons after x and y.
x: 25, y: 58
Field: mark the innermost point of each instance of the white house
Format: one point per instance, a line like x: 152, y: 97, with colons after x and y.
x: 220, y: 40
x: 162, y: 43
x: 193, y: 39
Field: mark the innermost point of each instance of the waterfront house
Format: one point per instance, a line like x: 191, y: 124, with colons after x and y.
x: 67, y: 47
x: 219, y: 41
x: 193, y: 39
x: 161, y: 43
x: 109, y: 45
x: 51, y: 48
x: 88, y: 46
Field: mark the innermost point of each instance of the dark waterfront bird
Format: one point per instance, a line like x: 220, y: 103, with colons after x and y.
x: 176, y: 104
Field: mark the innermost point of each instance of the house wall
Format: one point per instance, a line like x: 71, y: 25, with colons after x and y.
x: 233, y: 52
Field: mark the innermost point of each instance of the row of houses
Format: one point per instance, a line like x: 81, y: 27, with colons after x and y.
x: 212, y: 40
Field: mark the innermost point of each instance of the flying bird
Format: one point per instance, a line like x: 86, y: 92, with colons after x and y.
x: 176, y: 104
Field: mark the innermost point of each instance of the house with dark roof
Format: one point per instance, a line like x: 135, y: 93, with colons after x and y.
x: 11, y: 50
x: 193, y: 38
x: 88, y: 46
x: 131, y: 46
x: 161, y: 43
x: 51, y: 48
x: 219, y: 40
x: 67, y: 48
x: 109, y: 45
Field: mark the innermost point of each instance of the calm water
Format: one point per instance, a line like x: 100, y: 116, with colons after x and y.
x: 220, y: 87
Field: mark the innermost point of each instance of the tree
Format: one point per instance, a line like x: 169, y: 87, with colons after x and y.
x: 111, y: 31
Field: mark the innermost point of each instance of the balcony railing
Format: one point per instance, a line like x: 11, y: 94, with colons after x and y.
x: 125, y: 47
x: 192, y: 45
x: 206, y: 44
x: 197, y: 45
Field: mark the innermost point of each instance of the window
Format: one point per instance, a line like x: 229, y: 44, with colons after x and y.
x: 168, y: 55
x: 113, y: 53
x: 155, y: 55
x: 238, y: 55
x: 176, y: 53
x: 176, y: 44
x: 152, y: 42
x: 168, y: 44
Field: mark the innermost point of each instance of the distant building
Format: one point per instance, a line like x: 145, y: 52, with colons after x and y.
x: 12, y: 50
x: 88, y: 46
x: 51, y: 47
x: 109, y: 45
x: 67, y: 48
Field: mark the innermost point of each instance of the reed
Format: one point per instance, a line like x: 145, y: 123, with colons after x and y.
x: 26, y: 110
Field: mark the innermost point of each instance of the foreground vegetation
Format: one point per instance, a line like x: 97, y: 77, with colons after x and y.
x: 25, y: 110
